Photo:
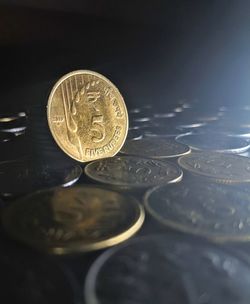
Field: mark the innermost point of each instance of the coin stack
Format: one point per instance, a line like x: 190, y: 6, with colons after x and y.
x: 177, y: 176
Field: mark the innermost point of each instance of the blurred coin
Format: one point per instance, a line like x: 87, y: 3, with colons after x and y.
x: 207, y: 209
x: 225, y: 168
x: 20, y: 177
x: 13, y: 126
x: 168, y: 270
x: 155, y: 148
x: 133, y: 172
x: 134, y: 134
x: 87, y: 116
x: 188, y: 123
x: 214, y: 142
x: 164, y: 115
x: 4, y: 136
x: 71, y: 220
x: 167, y: 131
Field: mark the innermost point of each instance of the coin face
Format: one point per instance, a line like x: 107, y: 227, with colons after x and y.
x: 219, y: 212
x: 70, y: 220
x: 133, y: 172
x: 214, y: 142
x: 168, y: 270
x: 226, y: 168
x: 87, y: 116
x: 155, y: 148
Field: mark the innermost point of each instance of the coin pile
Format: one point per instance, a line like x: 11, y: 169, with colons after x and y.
x: 177, y: 176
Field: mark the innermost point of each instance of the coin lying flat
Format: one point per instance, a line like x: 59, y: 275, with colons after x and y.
x: 22, y: 176
x: 155, y: 148
x: 214, y: 142
x: 87, y: 116
x: 207, y: 209
x: 133, y: 172
x: 226, y: 168
x: 168, y: 270
x: 70, y: 220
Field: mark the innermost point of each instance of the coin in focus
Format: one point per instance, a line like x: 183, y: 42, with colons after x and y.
x: 71, y: 220
x: 133, y: 172
x: 214, y: 142
x: 87, y: 116
x: 159, y: 148
x: 168, y: 270
x: 222, y: 167
x: 211, y: 210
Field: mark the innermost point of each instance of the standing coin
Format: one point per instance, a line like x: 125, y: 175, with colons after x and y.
x: 155, y: 148
x: 87, y: 116
x: 214, y: 142
x: 133, y: 172
x: 168, y: 270
x: 225, y: 168
x: 218, y: 212
x: 70, y: 220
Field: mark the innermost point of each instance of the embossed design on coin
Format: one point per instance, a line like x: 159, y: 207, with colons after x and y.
x: 155, y: 148
x: 214, y: 142
x: 131, y: 171
x: 226, y: 168
x: 219, y: 212
x: 70, y: 220
x: 168, y: 270
x: 87, y: 116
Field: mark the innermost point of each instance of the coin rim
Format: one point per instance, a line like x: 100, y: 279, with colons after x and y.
x: 76, y: 247
x: 140, y: 186
x: 219, y: 238
x: 159, y: 156
x: 51, y: 95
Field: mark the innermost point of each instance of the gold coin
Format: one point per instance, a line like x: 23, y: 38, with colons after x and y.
x: 87, y: 116
x: 222, y: 167
x: 71, y: 220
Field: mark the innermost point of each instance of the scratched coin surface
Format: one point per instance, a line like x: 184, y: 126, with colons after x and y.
x: 133, y: 172
x: 222, y: 167
x: 87, y: 116
x: 214, y: 142
x: 70, y: 220
x: 155, y: 148
x: 168, y: 270
x: 215, y: 211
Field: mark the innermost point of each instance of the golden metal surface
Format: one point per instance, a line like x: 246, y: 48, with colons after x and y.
x: 72, y: 220
x: 87, y: 116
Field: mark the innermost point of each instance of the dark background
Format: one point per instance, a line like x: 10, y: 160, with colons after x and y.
x: 154, y: 51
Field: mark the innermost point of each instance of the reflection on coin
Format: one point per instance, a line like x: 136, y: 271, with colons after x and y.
x: 20, y: 177
x: 208, y: 209
x: 214, y: 142
x: 155, y: 148
x: 168, y: 270
x: 70, y: 220
x: 226, y: 168
x: 133, y: 172
x: 87, y: 116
